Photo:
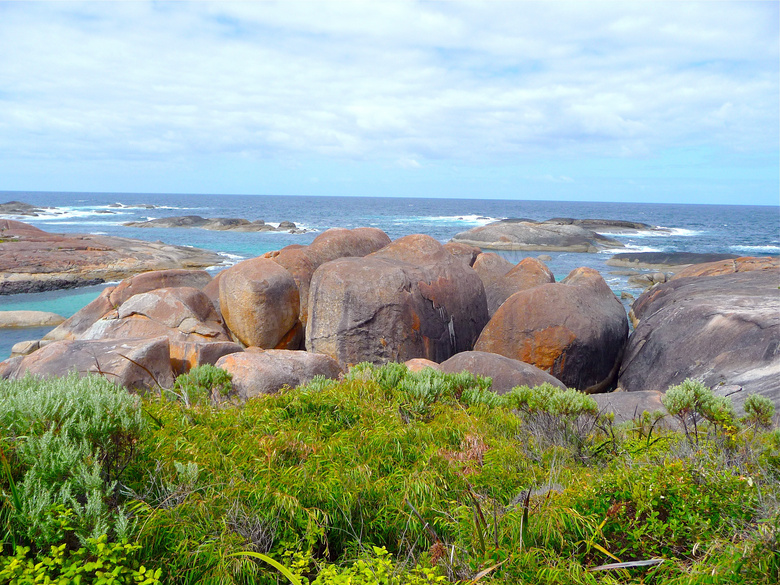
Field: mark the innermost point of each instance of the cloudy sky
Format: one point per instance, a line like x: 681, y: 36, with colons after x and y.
x: 614, y: 101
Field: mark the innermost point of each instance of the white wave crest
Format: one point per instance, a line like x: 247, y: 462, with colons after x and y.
x: 630, y: 248
x: 768, y: 249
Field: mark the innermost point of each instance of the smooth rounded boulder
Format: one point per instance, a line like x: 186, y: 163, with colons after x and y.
x: 258, y: 371
x: 575, y: 330
x: 259, y: 302
x: 411, y: 299
x: 723, y: 330
x: 302, y: 261
x: 528, y: 273
x: 505, y: 372
x: 136, y: 364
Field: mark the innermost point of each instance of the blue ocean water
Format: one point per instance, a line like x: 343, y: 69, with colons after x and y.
x: 745, y: 230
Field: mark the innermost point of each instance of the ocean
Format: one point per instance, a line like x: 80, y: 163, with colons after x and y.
x: 745, y: 229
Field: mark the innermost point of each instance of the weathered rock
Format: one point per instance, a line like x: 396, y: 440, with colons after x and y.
x: 410, y: 299
x: 575, y: 329
x: 491, y: 267
x: 528, y: 273
x: 628, y: 406
x: 139, y: 364
x: 419, y: 364
x: 465, y: 252
x: 32, y: 260
x: 505, y: 372
x: 266, y: 372
x: 198, y: 353
x: 10, y: 319
x: 523, y: 235
x: 259, y: 302
x: 211, y: 290
x: 112, y: 298
x: 302, y: 261
x: 744, y: 264
x: 724, y: 330
x: 663, y: 260
x: 149, y: 281
x: 183, y: 314
x: 27, y: 347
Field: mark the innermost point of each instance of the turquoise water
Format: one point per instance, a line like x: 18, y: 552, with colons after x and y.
x: 745, y: 230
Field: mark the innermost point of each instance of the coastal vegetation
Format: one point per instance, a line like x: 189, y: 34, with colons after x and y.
x: 385, y: 476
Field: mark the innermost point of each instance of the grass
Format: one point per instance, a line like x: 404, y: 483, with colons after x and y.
x: 393, y: 477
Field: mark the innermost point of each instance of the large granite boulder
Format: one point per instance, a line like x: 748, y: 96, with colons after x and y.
x: 410, y: 299
x: 505, y: 372
x: 491, y: 267
x: 32, y: 260
x: 259, y: 302
x: 528, y: 273
x: 525, y: 235
x: 665, y: 260
x: 575, y: 330
x: 113, y: 297
x: 466, y: 253
x: 266, y: 372
x: 629, y: 406
x: 302, y: 261
x: 140, y: 364
x: 183, y: 314
x: 724, y: 330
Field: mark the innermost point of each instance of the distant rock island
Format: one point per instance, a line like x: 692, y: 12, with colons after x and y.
x: 19, y: 208
x: 216, y: 223
x: 665, y: 259
x: 32, y: 260
x: 559, y: 234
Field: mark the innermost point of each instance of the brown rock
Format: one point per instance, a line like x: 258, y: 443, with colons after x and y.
x: 505, y: 372
x: 575, y: 330
x: 417, y: 364
x: 628, y: 406
x: 529, y: 273
x: 411, y: 299
x: 266, y: 372
x: 491, y: 267
x: 183, y: 314
x: 77, y: 324
x: 14, y: 319
x: 745, y: 264
x: 259, y: 301
x: 156, y: 279
x: 465, y: 252
x: 138, y: 364
x: 32, y: 260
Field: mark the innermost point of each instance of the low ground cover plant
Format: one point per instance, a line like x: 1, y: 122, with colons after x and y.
x: 390, y: 476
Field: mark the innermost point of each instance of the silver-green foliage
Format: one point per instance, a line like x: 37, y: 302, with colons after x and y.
x: 69, y: 439
x: 698, y: 409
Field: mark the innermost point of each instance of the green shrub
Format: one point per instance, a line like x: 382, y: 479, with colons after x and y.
x: 759, y: 411
x: 66, y: 443
x: 699, y: 410
x: 202, y: 384
x: 99, y: 562
x: 553, y: 416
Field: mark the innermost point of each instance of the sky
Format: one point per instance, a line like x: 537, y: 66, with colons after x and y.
x: 576, y: 101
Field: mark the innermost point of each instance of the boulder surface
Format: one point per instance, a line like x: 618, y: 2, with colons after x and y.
x: 575, y: 330
x: 505, y: 372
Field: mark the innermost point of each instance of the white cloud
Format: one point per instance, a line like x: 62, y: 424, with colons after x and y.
x: 386, y: 81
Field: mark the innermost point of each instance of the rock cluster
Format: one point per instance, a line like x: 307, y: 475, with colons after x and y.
x: 354, y: 296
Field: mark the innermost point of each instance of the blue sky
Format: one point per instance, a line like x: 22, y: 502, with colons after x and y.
x: 615, y: 101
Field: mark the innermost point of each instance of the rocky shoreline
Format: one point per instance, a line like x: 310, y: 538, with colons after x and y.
x: 32, y: 260
x: 356, y: 296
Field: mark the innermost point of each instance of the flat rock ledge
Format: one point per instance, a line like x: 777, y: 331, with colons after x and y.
x: 32, y: 260
x: 21, y: 319
x: 668, y: 260
x: 521, y: 234
x: 216, y: 223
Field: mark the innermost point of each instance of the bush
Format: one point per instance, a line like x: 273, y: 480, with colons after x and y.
x: 66, y: 443
x: 202, y: 384
x: 699, y: 410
